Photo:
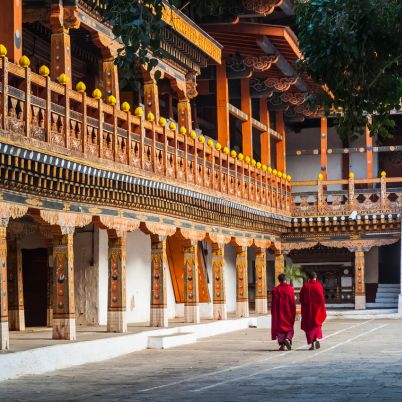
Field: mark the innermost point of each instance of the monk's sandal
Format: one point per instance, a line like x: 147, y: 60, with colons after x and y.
x: 288, y: 344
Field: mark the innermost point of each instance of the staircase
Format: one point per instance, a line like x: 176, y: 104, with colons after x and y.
x: 386, y: 297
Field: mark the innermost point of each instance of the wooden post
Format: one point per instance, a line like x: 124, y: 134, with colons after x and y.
x: 360, y: 288
x: 184, y: 114
x: 222, y: 102
x: 324, y: 140
x: 111, y: 79
x: 247, y: 126
x: 218, y: 274
x: 242, y: 308
x: 279, y: 265
x: 15, y: 286
x: 63, y: 286
x: 281, y: 145
x: 191, y: 290
x: 159, y: 270
x: 265, y: 136
x: 11, y: 28
x: 116, y: 312
x: 261, y: 302
x: 49, y: 314
x: 369, y: 154
x: 151, y: 98
x: 60, y: 54
x: 4, y: 333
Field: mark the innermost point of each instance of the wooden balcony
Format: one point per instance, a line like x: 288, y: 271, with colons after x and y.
x: 45, y: 115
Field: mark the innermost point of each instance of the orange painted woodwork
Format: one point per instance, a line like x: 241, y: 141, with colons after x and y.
x: 184, y: 114
x: 111, y: 79
x: 281, y: 145
x: 151, y: 98
x: 247, y: 126
x: 324, y: 141
x: 60, y: 55
x: 369, y: 154
x: 222, y: 100
x: 265, y: 139
x: 175, y: 255
x: 11, y: 28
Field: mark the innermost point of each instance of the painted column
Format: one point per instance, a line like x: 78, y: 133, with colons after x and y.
x: 246, y: 126
x: 222, y: 101
x: 50, y: 284
x: 324, y: 140
x: 60, y: 54
x: 184, y: 114
x: 218, y: 274
x: 369, y: 154
x: 261, y: 302
x: 265, y: 139
x: 63, y: 286
x: 11, y: 28
x: 159, y: 269
x: 116, y: 310
x: 242, y: 308
x: 151, y: 98
x: 4, y: 333
x: 360, y: 288
x: 111, y: 79
x: 279, y: 265
x: 281, y: 145
x: 191, y: 291
x: 16, y: 311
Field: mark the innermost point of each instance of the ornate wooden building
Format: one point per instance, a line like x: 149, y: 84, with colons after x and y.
x: 121, y: 206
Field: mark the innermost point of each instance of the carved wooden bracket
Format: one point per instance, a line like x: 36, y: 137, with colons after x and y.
x: 8, y: 210
x: 67, y: 221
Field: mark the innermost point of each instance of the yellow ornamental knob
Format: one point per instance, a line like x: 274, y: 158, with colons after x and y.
x: 264, y: 168
x: 201, y: 139
x: 279, y: 174
x: 274, y: 172
x: 172, y: 125
x: 150, y: 116
x: 183, y: 130
x: 111, y: 100
x: 80, y: 87
x: 210, y: 143
x: 233, y: 153
x: 24, y: 61
x: 125, y: 106
x: 269, y: 169
x: 253, y: 162
x: 351, y: 175
x: 138, y: 111
x: 63, y: 79
x: 258, y: 165
x: 162, y: 121
x: 3, y: 50
x: 247, y: 159
x: 226, y: 150
x: 193, y: 134
x: 383, y: 173
x: 97, y: 93
x: 44, y: 71
x: 218, y: 146
x: 288, y: 178
x: 320, y: 176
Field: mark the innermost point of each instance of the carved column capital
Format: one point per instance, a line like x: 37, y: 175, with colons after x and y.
x: 67, y: 221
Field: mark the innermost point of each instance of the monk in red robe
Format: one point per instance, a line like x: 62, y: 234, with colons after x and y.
x: 283, y: 310
x: 312, y: 310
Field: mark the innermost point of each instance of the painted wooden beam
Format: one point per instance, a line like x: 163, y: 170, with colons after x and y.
x: 222, y: 101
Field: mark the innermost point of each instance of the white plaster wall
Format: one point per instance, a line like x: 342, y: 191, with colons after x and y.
x: 230, y: 278
x: 371, y: 266
x: 171, y: 301
x: 138, y: 268
x: 103, y: 276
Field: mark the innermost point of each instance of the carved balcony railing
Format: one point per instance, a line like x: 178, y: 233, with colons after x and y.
x: 35, y: 110
x: 380, y: 196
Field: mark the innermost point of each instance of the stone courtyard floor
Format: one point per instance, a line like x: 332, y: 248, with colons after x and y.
x: 360, y: 360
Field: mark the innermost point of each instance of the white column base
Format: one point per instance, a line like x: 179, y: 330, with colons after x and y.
x: 64, y: 328
x: 192, y: 314
x: 116, y: 321
x: 220, y: 312
x: 49, y: 317
x: 4, y: 336
x: 242, y: 310
x: 261, y: 306
x: 360, y: 302
x: 159, y: 317
x: 16, y: 319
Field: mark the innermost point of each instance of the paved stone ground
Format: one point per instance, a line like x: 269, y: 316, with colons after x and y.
x: 358, y: 361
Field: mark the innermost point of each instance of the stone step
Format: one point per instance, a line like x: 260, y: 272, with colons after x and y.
x: 170, y: 341
x: 388, y: 292
x: 381, y: 305
x: 387, y: 296
x: 389, y: 285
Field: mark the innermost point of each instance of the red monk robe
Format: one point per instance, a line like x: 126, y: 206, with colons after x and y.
x: 312, y: 309
x: 283, y: 310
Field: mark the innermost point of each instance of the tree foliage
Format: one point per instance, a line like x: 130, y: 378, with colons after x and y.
x: 355, y: 48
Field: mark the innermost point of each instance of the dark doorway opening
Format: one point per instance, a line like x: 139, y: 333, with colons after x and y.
x: 34, y: 272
